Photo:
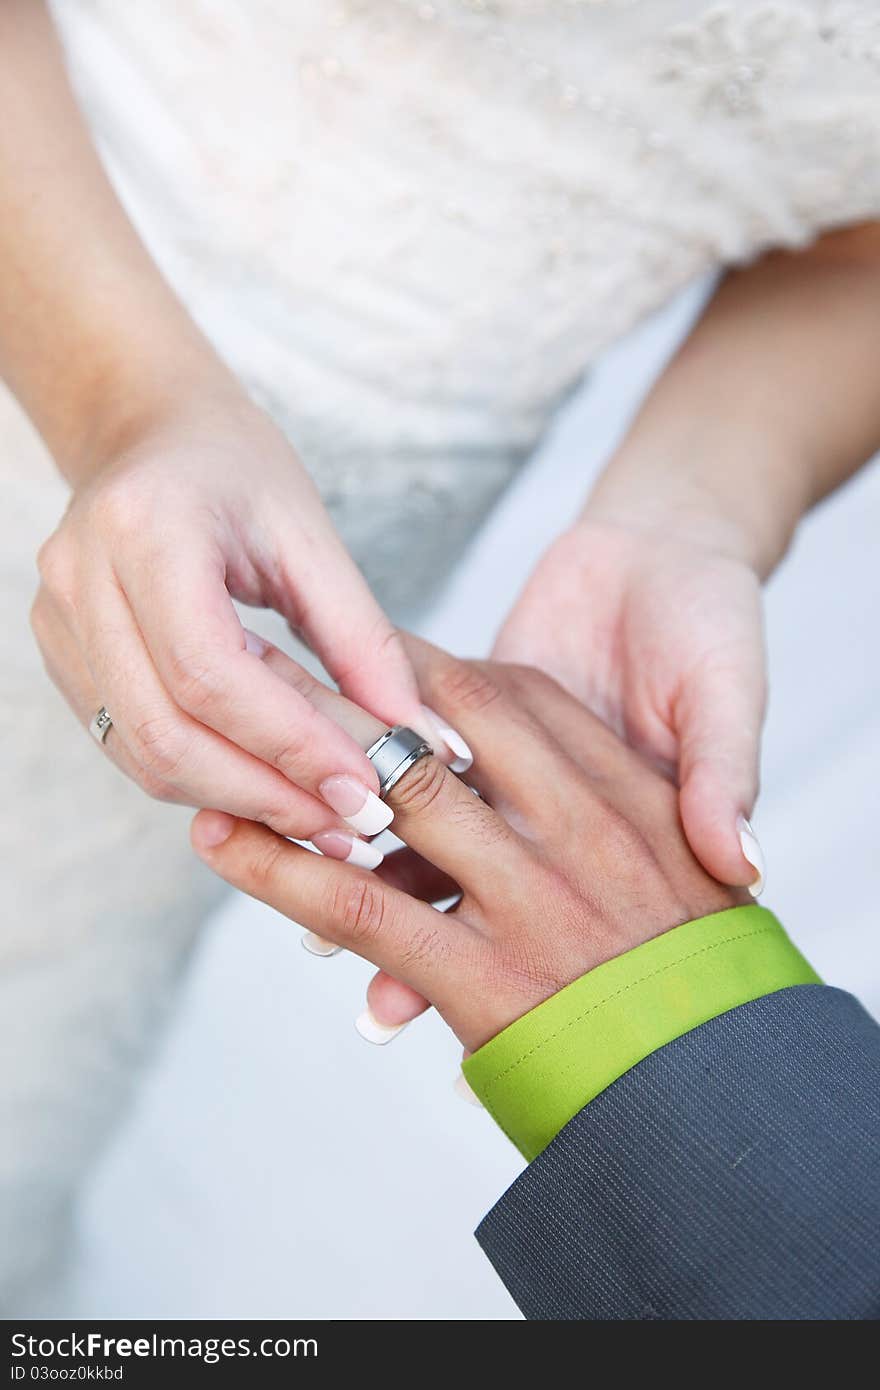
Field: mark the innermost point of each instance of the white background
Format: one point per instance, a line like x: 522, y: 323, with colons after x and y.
x: 277, y: 1166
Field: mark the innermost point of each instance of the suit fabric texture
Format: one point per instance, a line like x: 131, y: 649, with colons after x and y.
x: 733, y: 1174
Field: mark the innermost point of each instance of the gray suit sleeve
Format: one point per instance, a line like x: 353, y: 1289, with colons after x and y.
x: 735, y: 1173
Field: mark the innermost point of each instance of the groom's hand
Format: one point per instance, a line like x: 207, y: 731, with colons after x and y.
x: 575, y: 854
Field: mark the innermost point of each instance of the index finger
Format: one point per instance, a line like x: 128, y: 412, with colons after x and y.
x: 197, y: 643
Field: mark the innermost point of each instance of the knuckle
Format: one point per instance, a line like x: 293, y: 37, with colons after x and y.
x: 290, y: 755
x: 39, y: 620
x: 295, y: 677
x: 157, y: 790
x: 280, y: 817
x: 193, y: 678
x: 113, y: 510
x: 160, y: 746
x: 378, y: 644
x: 419, y: 788
x: 528, y: 680
x: 624, y: 843
x: 262, y: 864
x: 465, y: 686
x: 382, y: 638
x: 55, y: 566
x: 357, y: 908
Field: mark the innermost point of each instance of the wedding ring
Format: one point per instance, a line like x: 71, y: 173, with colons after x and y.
x: 101, y: 725
x: 394, y: 754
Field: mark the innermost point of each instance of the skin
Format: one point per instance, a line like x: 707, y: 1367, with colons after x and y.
x: 185, y: 495
x: 649, y: 608
x: 551, y: 885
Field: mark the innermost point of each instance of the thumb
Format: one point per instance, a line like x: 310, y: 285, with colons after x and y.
x: 719, y: 717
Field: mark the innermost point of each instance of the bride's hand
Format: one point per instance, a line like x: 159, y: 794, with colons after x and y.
x: 135, y: 612
x: 575, y: 855
x: 660, y: 633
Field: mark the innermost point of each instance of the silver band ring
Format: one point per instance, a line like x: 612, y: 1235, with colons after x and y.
x: 395, y: 753
x: 101, y: 725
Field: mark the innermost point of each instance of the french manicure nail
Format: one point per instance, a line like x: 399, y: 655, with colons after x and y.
x: 753, y: 853
x: 372, y: 1031
x: 462, y: 1089
x: 338, y: 844
x: 462, y: 757
x: 318, y: 946
x: 358, y: 807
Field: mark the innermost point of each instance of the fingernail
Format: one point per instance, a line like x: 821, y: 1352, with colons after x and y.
x: 255, y: 644
x: 462, y: 757
x: 338, y: 844
x: 463, y: 1091
x: 212, y: 829
x: 358, y: 807
x: 317, y: 946
x: 372, y: 1031
x: 753, y: 853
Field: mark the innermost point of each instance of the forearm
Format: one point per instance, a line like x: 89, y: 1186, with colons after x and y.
x: 770, y: 404
x: 91, y: 336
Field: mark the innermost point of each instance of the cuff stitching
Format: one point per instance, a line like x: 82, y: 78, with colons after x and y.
x: 625, y: 989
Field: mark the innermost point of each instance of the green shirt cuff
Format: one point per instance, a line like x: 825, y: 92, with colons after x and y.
x: 536, y: 1075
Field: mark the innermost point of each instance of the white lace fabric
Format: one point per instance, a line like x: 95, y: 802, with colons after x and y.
x: 411, y: 226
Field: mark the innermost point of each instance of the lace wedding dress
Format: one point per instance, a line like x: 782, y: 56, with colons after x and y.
x: 410, y: 225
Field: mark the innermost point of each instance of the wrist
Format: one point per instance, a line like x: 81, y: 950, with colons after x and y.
x: 734, y: 497
x: 127, y: 402
x: 691, y: 521
x: 536, y: 1074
